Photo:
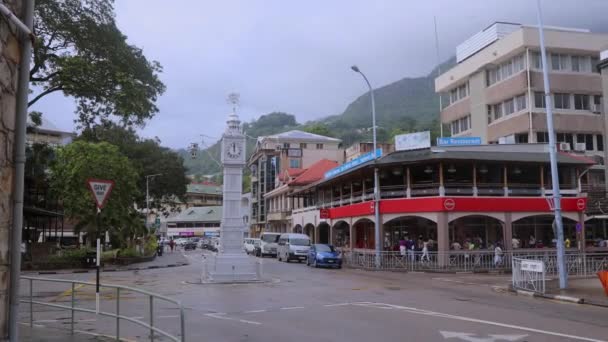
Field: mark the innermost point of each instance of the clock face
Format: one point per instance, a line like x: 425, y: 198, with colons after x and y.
x: 234, y: 150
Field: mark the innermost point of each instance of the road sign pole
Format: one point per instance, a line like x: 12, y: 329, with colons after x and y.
x: 98, y: 264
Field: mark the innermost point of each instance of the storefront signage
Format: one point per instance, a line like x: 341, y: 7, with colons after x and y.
x: 353, y: 163
x: 413, y: 141
x: 186, y: 233
x: 532, y: 266
x: 324, y: 213
x: 458, y: 141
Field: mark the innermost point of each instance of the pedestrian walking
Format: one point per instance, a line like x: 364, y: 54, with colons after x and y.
x: 425, y: 252
x: 171, y: 245
x: 497, y: 255
x: 402, y: 248
x: 410, y: 245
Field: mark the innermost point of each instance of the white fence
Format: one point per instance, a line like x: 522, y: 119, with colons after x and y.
x: 577, y: 263
x: 528, y: 274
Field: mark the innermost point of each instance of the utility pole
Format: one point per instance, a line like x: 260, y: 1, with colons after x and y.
x: 559, y: 227
x: 148, y: 197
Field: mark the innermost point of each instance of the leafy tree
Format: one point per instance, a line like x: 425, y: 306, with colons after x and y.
x: 77, y: 162
x: 318, y: 128
x: 148, y: 158
x: 81, y: 52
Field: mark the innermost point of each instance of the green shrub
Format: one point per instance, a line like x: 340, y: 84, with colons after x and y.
x: 151, y: 245
x: 69, y: 255
x: 128, y: 253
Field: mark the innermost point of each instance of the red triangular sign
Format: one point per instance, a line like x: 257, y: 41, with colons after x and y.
x: 101, y: 190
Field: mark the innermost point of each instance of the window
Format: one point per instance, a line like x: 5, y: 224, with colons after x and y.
x: 537, y: 61
x: 581, y: 102
x: 497, y: 111
x: 562, y: 101
x: 506, y: 70
x: 600, y: 142
x: 559, y: 61
x: 459, y: 93
x: 576, y: 63
x: 302, y: 145
x: 581, y: 63
x: 542, y: 137
x: 460, y: 125
x: 520, y: 103
x: 285, y: 145
x: 462, y: 91
x: 565, y: 138
x: 491, y: 77
x: 489, y: 114
x: 589, y: 142
x: 518, y: 63
x: 455, y: 127
x: 539, y: 100
x: 453, y: 95
x: 597, y: 104
x: 509, y: 107
x: 319, y: 146
x: 521, y: 138
x: 594, y: 63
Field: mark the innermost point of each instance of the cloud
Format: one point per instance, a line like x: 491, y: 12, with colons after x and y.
x: 295, y: 56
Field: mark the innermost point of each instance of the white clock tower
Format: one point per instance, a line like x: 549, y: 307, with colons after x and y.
x: 232, y: 263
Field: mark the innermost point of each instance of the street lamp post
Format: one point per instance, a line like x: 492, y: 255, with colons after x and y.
x: 376, y: 181
x: 148, y: 196
x: 561, y: 267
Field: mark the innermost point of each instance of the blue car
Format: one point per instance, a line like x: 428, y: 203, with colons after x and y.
x: 324, y: 255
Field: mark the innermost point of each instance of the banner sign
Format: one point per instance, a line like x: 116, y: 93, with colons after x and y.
x: 413, y: 141
x: 532, y: 266
x: 458, y: 141
x: 353, y: 163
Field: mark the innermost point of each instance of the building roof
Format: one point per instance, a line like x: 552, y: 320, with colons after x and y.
x: 209, y: 189
x: 300, y: 135
x: 47, y: 127
x: 523, y: 153
x: 199, y: 214
x: 290, y: 173
x: 315, y: 172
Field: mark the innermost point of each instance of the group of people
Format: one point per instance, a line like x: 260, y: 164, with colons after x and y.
x: 532, y: 242
x: 408, y: 247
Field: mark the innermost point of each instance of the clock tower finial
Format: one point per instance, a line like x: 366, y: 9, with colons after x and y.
x: 234, y: 124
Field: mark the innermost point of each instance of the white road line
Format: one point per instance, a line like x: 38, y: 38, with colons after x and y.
x: 168, y: 316
x: 481, y: 321
x: 64, y: 320
x: 224, y: 317
x: 254, y: 311
x: 339, y: 304
x: 292, y: 307
x: 35, y: 325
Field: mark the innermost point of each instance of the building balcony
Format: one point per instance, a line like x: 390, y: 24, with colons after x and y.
x: 279, y: 215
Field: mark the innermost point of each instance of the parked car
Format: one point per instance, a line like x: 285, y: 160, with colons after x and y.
x: 268, y: 244
x: 180, y: 242
x: 324, y: 255
x: 249, y: 245
x: 293, y: 247
x: 189, y: 245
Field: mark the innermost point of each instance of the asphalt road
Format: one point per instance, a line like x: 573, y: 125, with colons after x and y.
x: 299, y: 303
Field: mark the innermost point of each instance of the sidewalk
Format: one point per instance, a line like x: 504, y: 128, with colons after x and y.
x: 585, y: 290
x: 44, y: 334
x: 170, y: 259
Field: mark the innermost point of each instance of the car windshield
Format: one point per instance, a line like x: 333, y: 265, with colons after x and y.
x: 270, y: 238
x: 325, y: 248
x: 299, y: 242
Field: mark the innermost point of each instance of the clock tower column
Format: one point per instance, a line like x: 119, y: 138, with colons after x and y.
x: 232, y: 263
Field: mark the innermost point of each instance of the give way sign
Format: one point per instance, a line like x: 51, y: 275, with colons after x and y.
x: 101, y: 189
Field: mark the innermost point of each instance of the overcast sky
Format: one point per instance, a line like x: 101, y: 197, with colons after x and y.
x: 295, y: 56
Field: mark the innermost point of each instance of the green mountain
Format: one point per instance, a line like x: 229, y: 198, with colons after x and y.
x: 407, y: 105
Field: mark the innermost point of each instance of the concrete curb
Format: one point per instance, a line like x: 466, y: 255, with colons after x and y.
x: 561, y: 298
x: 119, y: 269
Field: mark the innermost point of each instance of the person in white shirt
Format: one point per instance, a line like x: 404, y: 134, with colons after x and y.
x: 515, y: 242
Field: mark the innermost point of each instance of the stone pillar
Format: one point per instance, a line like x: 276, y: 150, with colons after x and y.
x: 507, y: 232
x: 603, y: 67
x: 506, y: 181
x: 9, y: 59
x: 443, y: 239
x: 475, y: 191
x: 441, y: 186
x: 408, y: 182
x: 315, y: 234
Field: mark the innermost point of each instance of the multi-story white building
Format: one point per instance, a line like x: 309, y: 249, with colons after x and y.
x: 495, y: 91
x: 290, y: 152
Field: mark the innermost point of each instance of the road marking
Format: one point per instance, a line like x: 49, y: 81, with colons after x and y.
x: 339, y: 304
x: 254, y: 311
x: 292, y: 307
x: 223, y: 316
x: 64, y: 320
x: 471, y: 337
x: 169, y: 316
x: 481, y: 321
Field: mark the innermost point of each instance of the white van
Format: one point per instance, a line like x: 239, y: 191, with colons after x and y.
x: 293, y: 247
x: 249, y: 245
x: 268, y: 244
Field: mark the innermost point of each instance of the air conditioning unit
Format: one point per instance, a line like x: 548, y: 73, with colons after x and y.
x: 580, y: 147
x: 564, y: 146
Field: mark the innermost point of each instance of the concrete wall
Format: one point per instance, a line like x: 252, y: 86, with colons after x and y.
x: 9, y: 59
x: 479, y: 116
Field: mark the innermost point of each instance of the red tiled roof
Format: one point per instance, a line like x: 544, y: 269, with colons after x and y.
x: 315, y: 172
x: 289, y: 173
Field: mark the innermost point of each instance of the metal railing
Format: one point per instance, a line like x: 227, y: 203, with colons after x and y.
x: 117, y: 316
x: 578, y: 263
x: 528, y: 278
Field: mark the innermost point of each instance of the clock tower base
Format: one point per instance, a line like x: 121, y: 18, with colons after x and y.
x: 232, y: 268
